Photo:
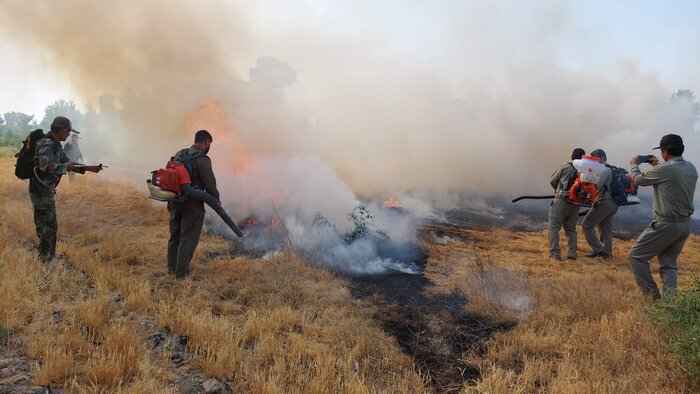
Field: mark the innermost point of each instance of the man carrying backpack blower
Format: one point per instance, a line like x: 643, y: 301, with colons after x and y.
x: 563, y: 213
x: 187, y: 218
x: 44, y: 171
x: 601, y: 214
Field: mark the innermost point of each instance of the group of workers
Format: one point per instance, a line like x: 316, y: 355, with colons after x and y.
x: 53, y: 161
x: 674, y: 182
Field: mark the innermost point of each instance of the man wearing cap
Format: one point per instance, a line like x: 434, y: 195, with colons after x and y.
x: 51, y: 164
x: 601, y: 214
x: 73, y: 153
x: 674, y: 189
x: 563, y: 213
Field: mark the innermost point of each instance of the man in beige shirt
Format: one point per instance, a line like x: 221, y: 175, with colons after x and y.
x: 674, y: 188
x: 601, y: 214
x: 563, y: 213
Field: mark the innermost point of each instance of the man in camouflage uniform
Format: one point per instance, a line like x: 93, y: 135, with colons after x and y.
x: 51, y: 164
x: 73, y: 153
x: 187, y: 218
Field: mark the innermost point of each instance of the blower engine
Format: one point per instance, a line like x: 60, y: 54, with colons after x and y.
x: 166, y: 183
x: 173, y: 184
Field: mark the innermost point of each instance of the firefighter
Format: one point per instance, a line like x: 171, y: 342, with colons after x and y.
x: 601, y: 214
x: 73, y: 153
x: 674, y: 189
x: 562, y: 213
x: 51, y: 164
x: 187, y: 218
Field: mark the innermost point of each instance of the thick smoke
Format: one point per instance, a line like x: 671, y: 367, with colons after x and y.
x: 308, y: 113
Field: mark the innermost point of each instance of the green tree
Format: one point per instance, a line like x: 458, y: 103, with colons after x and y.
x: 14, y: 126
x: 19, y: 120
x: 62, y: 108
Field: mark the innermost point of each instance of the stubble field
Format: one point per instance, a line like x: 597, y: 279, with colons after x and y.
x: 106, y: 317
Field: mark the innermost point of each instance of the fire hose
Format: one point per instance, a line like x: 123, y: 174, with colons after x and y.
x: 532, y: 198
x: 548, y: 198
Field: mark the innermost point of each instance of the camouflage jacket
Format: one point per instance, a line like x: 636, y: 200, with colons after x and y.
x: 51, y: 161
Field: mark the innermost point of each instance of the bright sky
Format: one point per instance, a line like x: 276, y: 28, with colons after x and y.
x: 662, y: 37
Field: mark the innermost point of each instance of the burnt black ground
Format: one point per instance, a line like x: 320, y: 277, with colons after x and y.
x: 433, y: 329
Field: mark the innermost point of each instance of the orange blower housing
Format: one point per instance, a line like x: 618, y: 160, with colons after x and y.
x: 172, y: 177
x: 583, y: 193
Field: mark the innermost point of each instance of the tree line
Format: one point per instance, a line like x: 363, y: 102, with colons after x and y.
x: 14, y: 126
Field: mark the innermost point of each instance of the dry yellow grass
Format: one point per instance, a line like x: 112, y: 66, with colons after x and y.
x: 264, y: 326
x: 586, y: 330
x: 284, y: 326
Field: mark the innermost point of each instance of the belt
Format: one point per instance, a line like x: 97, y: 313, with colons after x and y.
x: 672, y: 219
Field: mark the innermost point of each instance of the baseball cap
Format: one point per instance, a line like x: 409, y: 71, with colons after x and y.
x: 670, y: 140
x: 64, y: 123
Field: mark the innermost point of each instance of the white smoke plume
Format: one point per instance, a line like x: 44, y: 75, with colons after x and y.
x: 312, y: 114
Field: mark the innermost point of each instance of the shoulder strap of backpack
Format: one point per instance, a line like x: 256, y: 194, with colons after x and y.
x: 570, y: 180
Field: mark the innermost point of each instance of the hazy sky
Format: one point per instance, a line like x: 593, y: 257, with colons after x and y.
x: 661, y: 37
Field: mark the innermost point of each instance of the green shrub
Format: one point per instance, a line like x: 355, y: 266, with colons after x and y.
x: 679, y: 313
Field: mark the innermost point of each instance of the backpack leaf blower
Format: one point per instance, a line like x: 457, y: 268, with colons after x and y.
x: 173, y: 184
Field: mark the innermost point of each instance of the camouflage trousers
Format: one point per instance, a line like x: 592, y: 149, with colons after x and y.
x: 45, y: 221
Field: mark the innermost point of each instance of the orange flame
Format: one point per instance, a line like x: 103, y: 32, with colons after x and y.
x: 392, y: 203
x: 212, y: 116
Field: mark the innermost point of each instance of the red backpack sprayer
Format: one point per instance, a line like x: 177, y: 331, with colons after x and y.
x: 173, y: 184
x: 581, y: 189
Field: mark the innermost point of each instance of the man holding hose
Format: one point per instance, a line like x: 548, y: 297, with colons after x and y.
x: 187, y: 218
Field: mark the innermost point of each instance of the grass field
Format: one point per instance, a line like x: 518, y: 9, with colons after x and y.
x: 7, y: 151
x: 280, y: 325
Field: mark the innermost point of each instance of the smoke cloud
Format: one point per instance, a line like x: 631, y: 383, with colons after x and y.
x: 313, y: 115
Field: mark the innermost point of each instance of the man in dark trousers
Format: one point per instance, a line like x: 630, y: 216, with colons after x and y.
x: 187, y: 218
x: 51, y: 164
x: 562, y: 213
x: 674, y: 183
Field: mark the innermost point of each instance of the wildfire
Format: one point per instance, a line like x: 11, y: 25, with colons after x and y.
x: 392, y: 203
x: 212, y: 116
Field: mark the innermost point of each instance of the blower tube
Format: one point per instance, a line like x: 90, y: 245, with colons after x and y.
x: 188, y: 191
x: 201, y: 195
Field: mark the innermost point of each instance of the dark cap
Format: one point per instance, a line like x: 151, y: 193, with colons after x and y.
x: 64, y: 123
x: 670, y: 140
x: 599, y: 153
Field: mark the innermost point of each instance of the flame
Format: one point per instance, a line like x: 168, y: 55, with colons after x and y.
x: 275, y: 222
x: 392, y: 203
x: 211, y: 116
